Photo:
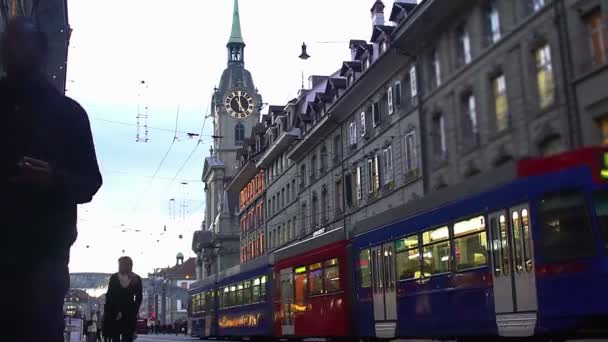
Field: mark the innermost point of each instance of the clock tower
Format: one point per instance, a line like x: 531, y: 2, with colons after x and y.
x: 236, y: 106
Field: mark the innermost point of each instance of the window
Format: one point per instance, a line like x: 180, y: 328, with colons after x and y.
x: 239, y: 134
x: 535, y: 5
x: 398, y: 94
x: 389, y: 95
x: 283, y: 198
x: 383, y: 46
x: 544, y: 76
x: 471, y: 131
x: 315, y: 279
x: 370, y: 176
x: 314, y: 210
x: 387, y: 159
x: 364, y: 267
x: 324, y: 206
x: 324, y: 165
x: 408, y: 258
x: 247, y: 292
x: 413, y: 83
x: 332, y: 276
x: 376, y: 173
x: 376, y: 113
x: 302, y: 177
x: 363, y: 131
x: 288, y: 194
x: 501, y: 106
x: 304, y: 213
x: 598, y: 34
x: 493, y: 23
x: 337, y: 150
x: 436, y: 251
x: 300, y: 286
x: 352, y: 136
x: 411, y: 156
x: 313, y: 167
x: 359, y: 183
x: 565, y: 228
x: 435, y: 70
x: 338, y: 197
x: 439, y: 138
x: 256, y: 291
x: 464, y: 46
x: 470, y: 243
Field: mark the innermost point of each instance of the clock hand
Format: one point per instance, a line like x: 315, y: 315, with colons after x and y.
x: 240, y: 106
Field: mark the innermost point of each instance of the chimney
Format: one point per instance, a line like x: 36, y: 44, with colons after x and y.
x: 378, y: 13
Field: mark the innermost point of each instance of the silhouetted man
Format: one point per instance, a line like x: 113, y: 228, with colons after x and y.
x: 123, y: 301
x: 47, y: 167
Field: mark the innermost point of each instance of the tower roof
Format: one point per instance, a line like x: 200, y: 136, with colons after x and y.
x: 236, y: 36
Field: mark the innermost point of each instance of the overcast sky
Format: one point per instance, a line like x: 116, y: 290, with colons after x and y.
x: 178, y: 48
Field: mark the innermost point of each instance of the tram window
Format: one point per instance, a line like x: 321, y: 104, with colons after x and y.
x: 527, y: 239
x: 408, y: 258
x: 332, y: 276
x: 436, y: 257
x: 226, y: 297
x: 600, y: 199
x: 256, y: 290
x: 239, y: 294
x: 300, y: 284
x: 232, y: 296
x: 470, y: 243
x: 247, y: 292
x: 263, y: 288
x: 565, y: 228
x: 366, y: 275
x: 315, y: 279
x: 496, y: 246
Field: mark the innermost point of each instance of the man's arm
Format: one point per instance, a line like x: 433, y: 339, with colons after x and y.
x: 79, y: 177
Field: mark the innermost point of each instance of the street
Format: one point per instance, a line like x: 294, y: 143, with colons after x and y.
x: 164, y: 338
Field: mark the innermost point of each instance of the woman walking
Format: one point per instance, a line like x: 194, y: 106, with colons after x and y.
x: 122, y: 303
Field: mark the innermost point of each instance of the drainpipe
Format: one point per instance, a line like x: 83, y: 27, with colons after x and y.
x: 565, y: 49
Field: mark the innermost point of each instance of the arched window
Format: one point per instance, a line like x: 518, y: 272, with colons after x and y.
x: 239, y: 134
x: 313, y: 167
x: 323, y: 159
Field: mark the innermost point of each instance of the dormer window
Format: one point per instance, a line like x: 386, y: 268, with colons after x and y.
x: 350, y: 79
x: 366, y: 64
x: 383, y: 47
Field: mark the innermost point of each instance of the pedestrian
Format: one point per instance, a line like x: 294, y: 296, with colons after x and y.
x: 47, y: 167
x: 92, y: 328
x: 123, y: 300
x: 99, y: 326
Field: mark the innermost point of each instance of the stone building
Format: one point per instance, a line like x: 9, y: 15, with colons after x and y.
x: 440, y: 103
x: 52, y: 18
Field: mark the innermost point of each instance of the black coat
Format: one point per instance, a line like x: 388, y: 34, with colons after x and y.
x: 125, y: 300
x: 39, y: 122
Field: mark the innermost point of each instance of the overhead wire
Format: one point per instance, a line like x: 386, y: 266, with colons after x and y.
x: 160, y: 165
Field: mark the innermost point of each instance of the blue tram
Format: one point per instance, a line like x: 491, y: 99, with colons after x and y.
x: 527, y: 258
x: 202, y: 314
x: 234, y: 303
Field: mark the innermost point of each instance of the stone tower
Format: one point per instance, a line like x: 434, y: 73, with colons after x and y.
x: 236, y: 106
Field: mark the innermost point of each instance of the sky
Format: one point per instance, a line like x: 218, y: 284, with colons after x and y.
x: 178, y: 48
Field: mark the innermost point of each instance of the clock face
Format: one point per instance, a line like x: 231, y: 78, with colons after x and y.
x: 239, y: 104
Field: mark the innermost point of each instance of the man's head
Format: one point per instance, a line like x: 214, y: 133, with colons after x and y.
x: 24, y: 48
x: 125, y: 264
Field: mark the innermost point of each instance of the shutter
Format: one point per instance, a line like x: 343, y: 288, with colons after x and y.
x: 377, y: 170
x: 414, y: 81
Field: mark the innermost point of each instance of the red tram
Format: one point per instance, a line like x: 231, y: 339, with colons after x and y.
x: 312, y: 297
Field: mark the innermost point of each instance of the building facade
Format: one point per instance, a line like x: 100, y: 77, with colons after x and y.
x: 52, y: 18
x: 236, y: 107
x: 439, y: 104
x: 165, y: 297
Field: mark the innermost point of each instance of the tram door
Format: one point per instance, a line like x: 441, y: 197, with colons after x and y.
x: 287, y: 294
x: 514, y: 277
x: 384, y: 290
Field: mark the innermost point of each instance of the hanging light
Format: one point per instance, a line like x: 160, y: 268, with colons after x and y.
x: 304, y: 55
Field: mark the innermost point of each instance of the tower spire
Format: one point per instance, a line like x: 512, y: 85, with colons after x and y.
x: 236, y: 37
